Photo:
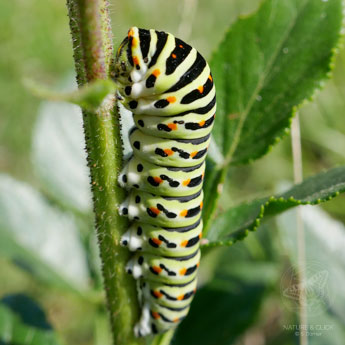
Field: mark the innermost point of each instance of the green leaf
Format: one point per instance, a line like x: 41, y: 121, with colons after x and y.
x: 266, y: 66
x: 58, y: 155
x: 39, y: 238
x: 235, y: 223
x: 23, y: 322
x: 89, y: 97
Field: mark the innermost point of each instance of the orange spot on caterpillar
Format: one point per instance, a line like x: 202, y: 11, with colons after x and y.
x: 157, y: 269
x: 203, y: 175
x: 183, y: 271
x: 173, y: 56
x: 157, y: 241
x: 171, y: 99
x: 210, y: 77
x: 155, y: 315
x: 181, y: 46
x: 135, y: 60
x: 156, y: 72
x: 183, y: 213
x: 184, y: 243
x: 155, y: 210
x: 176, y: 320
x: 157, y: 179
x: 200, y: 235
x: 158, y: 294
x: 134, y: 42
x: 186, y: 182
x: 172, y: 126
x: 201, y: 205
x: 201, y: 89
x: 169, y: 152
x: 180, y: 298
x: 194, y: 153
x: 194, y: 290
x: 198, y: 264
x: 130, y: 33
x: 201, y: 123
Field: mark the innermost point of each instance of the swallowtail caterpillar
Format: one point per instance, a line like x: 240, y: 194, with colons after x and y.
x: 169, y: 88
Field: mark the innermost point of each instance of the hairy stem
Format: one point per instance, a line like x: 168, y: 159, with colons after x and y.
x: 93, y: 55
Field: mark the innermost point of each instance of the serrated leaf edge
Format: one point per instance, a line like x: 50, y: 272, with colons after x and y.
x: 243, y: 233
x: 328, y: 74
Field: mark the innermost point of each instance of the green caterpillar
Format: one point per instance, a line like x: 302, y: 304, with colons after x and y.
x: 169, y: 88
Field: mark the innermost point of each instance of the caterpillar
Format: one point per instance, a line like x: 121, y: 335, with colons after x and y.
x: 169, y: 88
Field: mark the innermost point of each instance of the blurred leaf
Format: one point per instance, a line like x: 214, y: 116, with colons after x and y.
x: 58, y: 154
x: 89, y: 97
x: 221, y: 311
x: 39, y: 238
x: 333, y: 332
x: 235, y: 223
x: 325, y: 243
x: 268, y: 64
x: 22, y: 321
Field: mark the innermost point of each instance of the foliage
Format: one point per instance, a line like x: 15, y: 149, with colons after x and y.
x: 22, y: 321
x: 257, y: 95
x: 234, y: 223
x: 266, y: 66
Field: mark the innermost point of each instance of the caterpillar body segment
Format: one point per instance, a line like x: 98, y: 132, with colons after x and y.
x: 174, y: 296
x: 162, y: 210
x: 177, y: 127
x: 169, y: 270
x: 156, y: 240
x: 167, y: 104
x: 169, y: 152
x: 169, y: 88
x: 151, y: 178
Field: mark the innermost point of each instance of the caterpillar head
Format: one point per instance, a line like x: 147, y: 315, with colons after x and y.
x: 123, y: 66
x: 128, y: 57
x: 132, y: 56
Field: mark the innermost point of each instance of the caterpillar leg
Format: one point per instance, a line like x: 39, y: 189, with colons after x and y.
x: 144, y: 327
x: 134, y: 266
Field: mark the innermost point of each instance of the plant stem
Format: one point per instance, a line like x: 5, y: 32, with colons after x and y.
x: 298, y: 178
x: 93, y: 55
x: 218, y: 176
x: 163, y: 339
x: 187, y: 17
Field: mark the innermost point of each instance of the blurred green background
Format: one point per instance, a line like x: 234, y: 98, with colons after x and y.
x: 40, y: 145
